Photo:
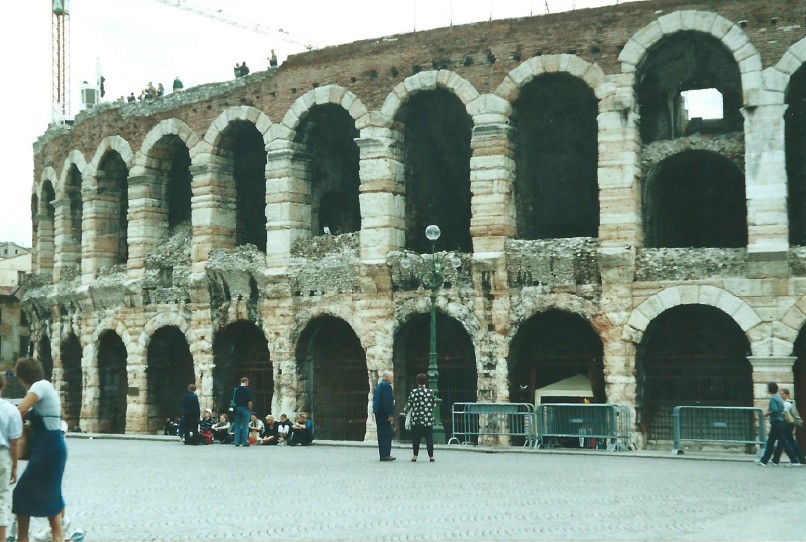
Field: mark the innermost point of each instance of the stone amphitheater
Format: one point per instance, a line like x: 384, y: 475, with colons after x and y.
x: 273, y: 226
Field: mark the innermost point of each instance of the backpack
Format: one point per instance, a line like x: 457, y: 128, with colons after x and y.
x: 797, y: 421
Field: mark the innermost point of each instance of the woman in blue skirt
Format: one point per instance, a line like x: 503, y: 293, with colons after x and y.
x: 39, y: 489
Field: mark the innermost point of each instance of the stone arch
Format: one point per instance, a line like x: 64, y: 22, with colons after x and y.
x: 164, y: 128
x: 453, y: 309
x: 109, y: 143
x: 742, y: 313
x: 161, y: 320
x: 729, y: 34
x: 69, y: 214
x: 516, y: 79
x: 111, y: 323
x: 425, y: 80
x: 304, y: 317
x: 786, y: 331
x: 328, y: 94
x: 74, y: 157
x: 243, y: 113
x: 780, y: 75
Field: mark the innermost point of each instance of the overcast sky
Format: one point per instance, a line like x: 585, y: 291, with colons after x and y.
x: 137, y: 41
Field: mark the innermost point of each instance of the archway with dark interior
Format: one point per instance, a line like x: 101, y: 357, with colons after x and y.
x: 241, y: 349
x: 113, y: 383
x: 72, y: 385
x: 169, y: 371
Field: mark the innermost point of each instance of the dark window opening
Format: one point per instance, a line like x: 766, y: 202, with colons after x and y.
x: 795, y: 130
x: 695, y: 199
x: 239, y: 350
x: 249, y: 168
x: 178, y: 191
x: 456, y: 363
x: 168, y: 374
x: 113, y: 194
x: 691, y: 355
x: 556, y: 149
x: 437, y: 169
x: 682, y: 62
x: 113, y: 384
x: 329, y: 133
x: 72, y: 380
x: 45, y: 357
x: 332, y: 371
x: 73, y: 236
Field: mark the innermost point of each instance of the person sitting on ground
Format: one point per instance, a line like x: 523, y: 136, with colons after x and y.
x: 160, y: 89
x: 150, y: 91
x: 255, y: 429
x: 221, y: 429
x: 131, y: 98
x: 271, y: 433
x: 301, y: 431
x: 206, y: 426
x: 171, y: 427
x: 283, y: 428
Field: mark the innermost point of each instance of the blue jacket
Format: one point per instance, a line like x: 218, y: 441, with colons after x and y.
x: 382, y: 402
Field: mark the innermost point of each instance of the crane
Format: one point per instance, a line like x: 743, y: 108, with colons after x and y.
x: 218, y: 15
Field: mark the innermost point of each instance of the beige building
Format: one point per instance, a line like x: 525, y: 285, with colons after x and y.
x: 599, y: 228
x: 15, y: 264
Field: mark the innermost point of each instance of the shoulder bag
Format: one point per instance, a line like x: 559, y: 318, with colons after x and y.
x: 232, y: 403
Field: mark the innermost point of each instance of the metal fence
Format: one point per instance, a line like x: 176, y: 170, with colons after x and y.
x: 721, y: 425
x: 596, y: 426
x: 471, y: 421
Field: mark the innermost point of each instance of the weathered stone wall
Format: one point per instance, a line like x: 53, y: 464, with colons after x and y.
x: 199, y: 281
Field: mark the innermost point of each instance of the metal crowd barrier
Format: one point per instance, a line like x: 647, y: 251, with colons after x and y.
x: 596, y: 426
x: 471, y: 421
x: 722, y: 425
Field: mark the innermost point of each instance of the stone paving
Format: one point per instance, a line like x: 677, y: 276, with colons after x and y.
x: 132, y: 489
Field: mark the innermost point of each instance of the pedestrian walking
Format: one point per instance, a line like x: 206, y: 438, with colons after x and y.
x: 421, y: 407
x: 383, y: 405
x: 790, y: 413
x: 243, y: 411
x: 10, y: 432
x: 775, y: 412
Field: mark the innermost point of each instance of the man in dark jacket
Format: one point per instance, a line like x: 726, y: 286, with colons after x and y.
x: 191, y: 414
x: 383, y: 408
x: 243, y: 411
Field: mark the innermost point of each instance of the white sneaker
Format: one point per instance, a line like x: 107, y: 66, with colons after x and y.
x: 45, y: 535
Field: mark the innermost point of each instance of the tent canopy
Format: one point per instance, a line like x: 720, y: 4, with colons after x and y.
x: 575, y: 386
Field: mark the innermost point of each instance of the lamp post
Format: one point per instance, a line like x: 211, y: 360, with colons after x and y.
x: 433, y: 278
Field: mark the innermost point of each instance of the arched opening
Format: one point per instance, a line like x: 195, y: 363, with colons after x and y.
x: 72, y: 385
x: 437, y: 169
x: 695, y: 199
x: 456, y: 362
x: 329, y: 133
x: 171, y: 158
x: 690, y: 355
x: 239, y: 350
x: 551, y: 347
x: 682, y: 62
x: 45, y: 357
x: 47, y: 228
x: 556, y: 156
x: 169, y: 372
x: 242, y: 144
x: 35, y: 241
x: 332, y: 371
x: 112, y: 207
x: 113, y: 383
x: 71, y: 245
x: 795, y: 126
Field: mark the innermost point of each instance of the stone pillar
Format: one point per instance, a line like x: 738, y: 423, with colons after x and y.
x: 382, y: 200
x: 771, y: 369
x: 148, y: 218
x: 200, y: 340
x: 619, y: 171
x: 45, y: 245
x: 766, y: 186
x: 492, y: 178
x: 61, y: 238
x: 137, y: 400
x: 212, y: 211
x: 102, y: 240
x: 90, y: 394
x: 288, y: 200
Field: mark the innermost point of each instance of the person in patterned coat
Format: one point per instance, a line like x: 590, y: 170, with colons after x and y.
x: 421, y: 404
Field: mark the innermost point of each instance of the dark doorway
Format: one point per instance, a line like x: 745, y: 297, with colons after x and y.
x: 799, y: 393
x: 243, y: 144
x: 437, y: 169
x: 71, y: 244
x: 690, y: 355
x: 113, y: 383
x: 795, y: 119
x: 239, y: 350
x: 695, y: 199
x: 456, y: 362
x: 72, y: 387
x: 550, y: 347
x: 332, y: 370
x: 112, y: 202
x: 46, y: 357
x: 169, y: 372
x: 556, y: 149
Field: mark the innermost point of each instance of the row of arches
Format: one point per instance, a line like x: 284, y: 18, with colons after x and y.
x: 263, y: 183
x: 690, y: 354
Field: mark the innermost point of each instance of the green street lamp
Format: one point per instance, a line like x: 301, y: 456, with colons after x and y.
x: 433, y: 278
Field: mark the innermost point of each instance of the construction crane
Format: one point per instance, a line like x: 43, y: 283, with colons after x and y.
x: 60, y: 59
x: 218, y: 15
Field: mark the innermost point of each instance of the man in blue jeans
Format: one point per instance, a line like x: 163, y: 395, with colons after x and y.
x: 383, y: 405
x: 243, y: 411
x: 775, y: 412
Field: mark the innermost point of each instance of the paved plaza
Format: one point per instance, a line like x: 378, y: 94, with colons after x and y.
x: 130, y: 489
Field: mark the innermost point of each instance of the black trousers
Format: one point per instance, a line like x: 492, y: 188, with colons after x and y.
x: 418, y: 432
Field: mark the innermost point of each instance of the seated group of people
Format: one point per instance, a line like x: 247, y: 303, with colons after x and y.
x: 272, y: 432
